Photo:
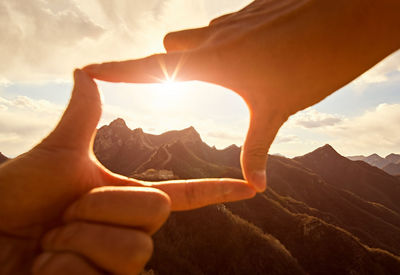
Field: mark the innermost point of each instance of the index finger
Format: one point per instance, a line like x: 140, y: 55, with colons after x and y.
x: 196, y: 193
x: 155, y: 68
x: 192, y: 194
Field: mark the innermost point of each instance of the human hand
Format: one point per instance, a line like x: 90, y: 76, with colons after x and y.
x: 110, y: 218
x: 280, y: 56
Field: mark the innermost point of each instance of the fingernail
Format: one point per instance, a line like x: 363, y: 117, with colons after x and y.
x: 259, y: 180
x: 248, y: 192
x: 92, y: 69
x: 40, y: 262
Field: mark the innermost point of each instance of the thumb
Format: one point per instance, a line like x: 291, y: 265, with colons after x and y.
x: 261, y: 134
x: 186, y: 39
x: 79, y: 121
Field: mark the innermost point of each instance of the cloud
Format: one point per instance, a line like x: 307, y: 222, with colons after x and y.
x: 376, y: 131
x: 381, y: 72
x: 45, y: 40
x: 24, y: 122
x: 280, y: 138
x: 36, y: 36
x: 4, y: 82
x: 311, y: 118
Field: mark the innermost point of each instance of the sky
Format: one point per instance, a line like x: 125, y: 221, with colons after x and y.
x: 44, y: 40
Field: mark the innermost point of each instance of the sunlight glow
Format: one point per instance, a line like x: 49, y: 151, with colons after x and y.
x: 168, y: 94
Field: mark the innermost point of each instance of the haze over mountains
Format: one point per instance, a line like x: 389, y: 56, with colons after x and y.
x: 390, y: 164
x: 321, y: 214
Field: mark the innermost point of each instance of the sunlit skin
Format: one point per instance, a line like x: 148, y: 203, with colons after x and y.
x: 280, y: 56
x: 62, y: 212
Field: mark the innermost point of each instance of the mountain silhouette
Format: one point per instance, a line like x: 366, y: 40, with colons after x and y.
x: 358, y: 177
x: 393, y: 158
x: 390, y: 164
x: 132, y: 152
x: 392, y: 168
x: 3, y: 158
x: 321, y: 214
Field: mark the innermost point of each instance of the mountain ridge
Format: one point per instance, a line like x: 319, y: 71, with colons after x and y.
x: 331, y: 214
x: 131, y: 152
x: 390, y: 164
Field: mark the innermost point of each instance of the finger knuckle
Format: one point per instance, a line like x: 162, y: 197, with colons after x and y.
x: 161, y: 204
x: 190, y: 194
x: 68, y: 234
x: 140, y: 254
x: 258, y: 151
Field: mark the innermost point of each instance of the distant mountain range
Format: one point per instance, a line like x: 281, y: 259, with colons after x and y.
x: 321, y: 214
x: 390, y: 164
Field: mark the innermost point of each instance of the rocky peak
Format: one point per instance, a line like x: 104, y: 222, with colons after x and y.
x: 394, y: 158
x: 138, y: 131
x: 118, y: 123
x: 326, y: 150
x: 190, y: 134
x: 326, y: 153
x: 375, y: 156
x: 232, y: 147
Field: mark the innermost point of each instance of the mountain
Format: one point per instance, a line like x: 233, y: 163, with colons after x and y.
x: 132, y: 152
x: 310, y: 194
x: 185, y: 163
x: 390, y: 164
x: 358, y: 177
x: 393, y: 158
x: 213, y: 240
x: 374, y: 160
x: 392, y: 168
x: 3, y: 158
x: 321, y: 214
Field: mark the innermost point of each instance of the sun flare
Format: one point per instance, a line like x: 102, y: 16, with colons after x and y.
x: 168, y: 94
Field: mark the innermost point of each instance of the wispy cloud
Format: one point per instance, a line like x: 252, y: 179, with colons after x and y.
x: 311, y: 118
x: 286, y: 139
x: 375, y: 131
x: 46, y: 40
x: 382, y: 72
x: 24, y: 122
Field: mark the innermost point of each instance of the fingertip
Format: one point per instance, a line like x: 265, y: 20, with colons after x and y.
x: 91, y: 69
x: 238, y: 189
x: 83, y: 78
x: 258, y: 180
x: 76, y: 73
x: 248, y: 192
x: 168, y: 41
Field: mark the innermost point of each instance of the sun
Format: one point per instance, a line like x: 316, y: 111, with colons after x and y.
x: 168, y: 94
x: 170, y: 86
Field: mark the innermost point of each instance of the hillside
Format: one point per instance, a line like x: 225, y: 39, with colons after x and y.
x: 322, y: 213
x: 358, y: 177
x: 390, y: 164
x: 3, y: 158
x: 132, y: 152
x: 392, y: 169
